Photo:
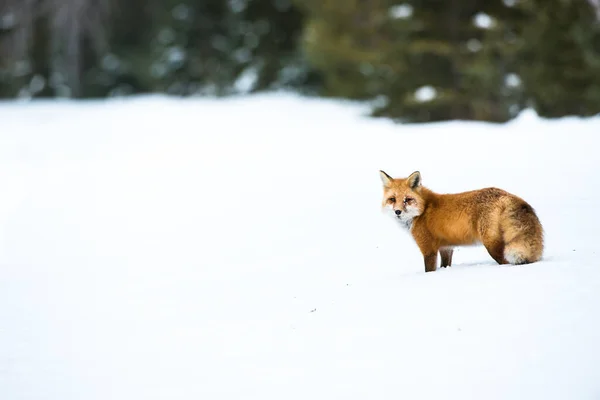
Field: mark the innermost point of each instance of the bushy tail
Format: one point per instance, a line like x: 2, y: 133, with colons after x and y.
x: 523, y: 234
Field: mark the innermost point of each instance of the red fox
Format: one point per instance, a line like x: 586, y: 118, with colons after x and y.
x: 505, y: 224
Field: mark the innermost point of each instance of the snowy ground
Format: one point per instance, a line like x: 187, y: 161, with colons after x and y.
x: 154, y: 248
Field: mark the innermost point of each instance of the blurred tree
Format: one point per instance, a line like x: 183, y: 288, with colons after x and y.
x: 43, y: 53
x: 205, y: 47
x: 84, y: 48
x: 423, y: 60
x: 561, y: 57
x: 348, y: 42
x: 5, y: 59
x: 417, y: 60
x: 16, y: 22
x: 271, y: 31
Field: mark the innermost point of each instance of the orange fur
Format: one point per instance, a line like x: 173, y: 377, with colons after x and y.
x: 505, y: 224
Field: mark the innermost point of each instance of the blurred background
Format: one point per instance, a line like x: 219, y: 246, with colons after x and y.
x: 413, y: 61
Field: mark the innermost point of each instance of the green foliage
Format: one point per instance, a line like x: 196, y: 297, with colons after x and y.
x: 180, y: 47
x: 561, y: 62
x: 206, y: 46
x: 415, y: 60
x: 7, y: 76
x: 381, y: 49
x: 343, y: 40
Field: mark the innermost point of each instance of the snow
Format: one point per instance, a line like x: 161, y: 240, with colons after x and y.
x: 483, y: 21
x: 156, y: 248
x: 425, y: 94
x: 401, y: 11
x: 512, y: 80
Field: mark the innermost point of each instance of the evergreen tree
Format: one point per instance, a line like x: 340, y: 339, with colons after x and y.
x: 205, y: 47
x: 418, y: 60
x: 89, y: 48
x: 347, y: 41
x: 7, y: 88
x: 425, y: 60
x: 561, y: 57
x: 270, y: 32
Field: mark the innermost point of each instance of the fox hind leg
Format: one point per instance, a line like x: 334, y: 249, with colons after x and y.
x: 446, y: 255
x: 496, y: 250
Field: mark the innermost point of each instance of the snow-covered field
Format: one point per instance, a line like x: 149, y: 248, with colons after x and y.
x: 154, y: 248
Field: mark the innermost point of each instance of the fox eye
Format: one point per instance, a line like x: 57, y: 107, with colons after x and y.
x: 392, y: 200
x: 408, y: 200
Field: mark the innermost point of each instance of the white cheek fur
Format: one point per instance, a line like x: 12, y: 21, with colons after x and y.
x: 405, y: 219
x: 407, y: 216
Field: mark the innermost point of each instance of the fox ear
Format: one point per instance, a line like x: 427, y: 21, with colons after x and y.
x: 385, y: 178
x: 414, y: 180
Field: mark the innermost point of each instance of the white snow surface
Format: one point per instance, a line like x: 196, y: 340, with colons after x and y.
x: 157, y: 248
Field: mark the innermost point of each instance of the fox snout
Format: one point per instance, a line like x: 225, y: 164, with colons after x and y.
x: 398, y: 212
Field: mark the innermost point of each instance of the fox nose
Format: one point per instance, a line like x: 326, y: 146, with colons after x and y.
x: 398, y: 212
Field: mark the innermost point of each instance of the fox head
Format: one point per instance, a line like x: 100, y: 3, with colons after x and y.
x: 402, y: 197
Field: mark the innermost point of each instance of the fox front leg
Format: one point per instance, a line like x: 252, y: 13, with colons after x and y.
x: 430, y: 261
x: 429, y: 248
